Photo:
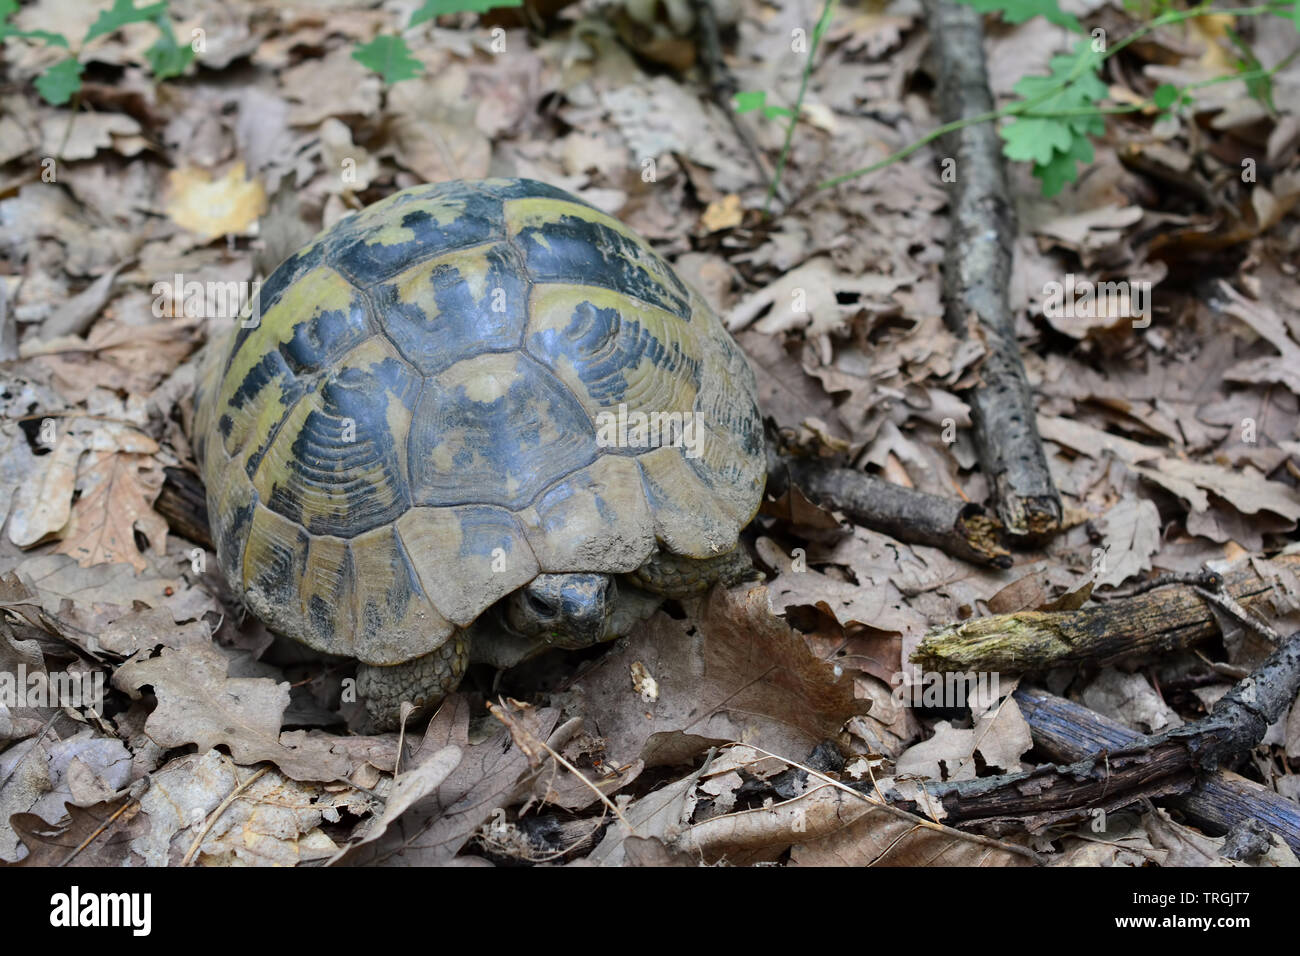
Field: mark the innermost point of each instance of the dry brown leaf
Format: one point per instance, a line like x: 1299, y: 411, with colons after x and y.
x: 117, y: 494
x: 738, y: 673
x: 877, y: 839
x: 43, y: 505
x: 211, y: 207
x: 128, y: 358
x: 725, y: 213
x: 1131, y: 531
x: 199, y: 704
x: 437, y: 824
x: 53, y: 844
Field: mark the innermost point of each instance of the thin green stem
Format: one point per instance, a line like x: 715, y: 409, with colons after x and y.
x: 823, y: 22
x: 1024, y: 107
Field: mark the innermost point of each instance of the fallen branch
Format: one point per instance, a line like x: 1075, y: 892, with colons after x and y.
x: 183, y: 504
x: 1162, y: 620
x: 960, y: 528
x: 1163, y: 765
x: 977, y: 274
x: 1065, y: 731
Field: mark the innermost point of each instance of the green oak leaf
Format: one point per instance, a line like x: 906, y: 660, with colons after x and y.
x: 166, y: 57
x: 390, y: 57
x: 1165, y: 95
x: 1018, y: 11
x: 1063, y: 167
x: 1031, y: 140
x: 436, y: 8
x: 57, y: 84
x: 751, y: 100
x: 120, y: 14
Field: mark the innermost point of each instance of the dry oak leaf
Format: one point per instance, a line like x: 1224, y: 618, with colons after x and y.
x: 738, y: 673
x: 118, y: 491
x: 214, y: 207
x: 444, y: 809
x: 198, y: 704
x: 1131, y: 531
x: 59, y: 843
x: 129, y: 358
x: 808, y: 296
x: 42, y: 505
x: 843, y: 830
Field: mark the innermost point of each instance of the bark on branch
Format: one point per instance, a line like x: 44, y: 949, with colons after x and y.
x: 977, y: 273
x: 959, y: 528
x: 1166, y: 619
x: 1065, y: 732
x: 1170, y: 763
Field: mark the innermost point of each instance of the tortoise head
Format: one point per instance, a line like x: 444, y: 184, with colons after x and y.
x: 565, y: 610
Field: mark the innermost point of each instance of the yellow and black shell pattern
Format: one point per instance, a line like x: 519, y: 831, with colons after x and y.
x: 411, y: 430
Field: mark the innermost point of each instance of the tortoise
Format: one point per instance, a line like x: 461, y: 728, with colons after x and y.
x: 429, y: 445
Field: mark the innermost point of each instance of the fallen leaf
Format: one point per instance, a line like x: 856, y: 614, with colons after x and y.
x: 198, y: 704
x: 1131, y: 532
x: 117, y: 492
x: 211, y: 207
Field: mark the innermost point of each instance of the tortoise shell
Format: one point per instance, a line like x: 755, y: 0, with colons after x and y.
x: 413, y: 428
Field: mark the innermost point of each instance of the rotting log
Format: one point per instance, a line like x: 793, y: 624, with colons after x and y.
x: 1155, y: 622
x: 1065, y: 732
x: 1167, y: 764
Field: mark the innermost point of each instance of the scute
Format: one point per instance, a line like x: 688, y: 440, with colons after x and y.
x: 360, y: 598
x: 455, y: 306
x: 411, y: 432
x: 568, y: 242
x: 471, y: 557
x: 412, y: 225
x: 596, y: 518
x: 613, y: 351
x: 336, y: 465
x: 495, y: 429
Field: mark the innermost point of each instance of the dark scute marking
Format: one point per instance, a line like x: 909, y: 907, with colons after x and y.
x: 224, y: 424
x: 269, y: 368
x: 501, y: 440
x: 459, y: 326
x: 270, y: 292
x: 321, y: 613
x: 278, y: 578
x: 231, y: 537
x: 603, y: 347
x: 367, y: 262
x: 527, y: 189
x: 361, y: 477
x: 324, y: 338
x: 397, y: 597
x: 570, y: 249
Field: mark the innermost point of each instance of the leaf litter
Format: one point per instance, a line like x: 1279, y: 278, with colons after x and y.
x: 707, y: 734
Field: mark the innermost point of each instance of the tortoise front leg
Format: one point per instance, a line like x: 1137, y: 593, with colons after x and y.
x: 424, y: 681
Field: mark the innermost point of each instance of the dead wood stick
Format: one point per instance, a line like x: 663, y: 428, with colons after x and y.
x: 977, y: 274
x: 1163, y: 765
x: 959, y: 528
x: 1065, y: 732
x: 183, y: 504
x: 1170, y: 618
